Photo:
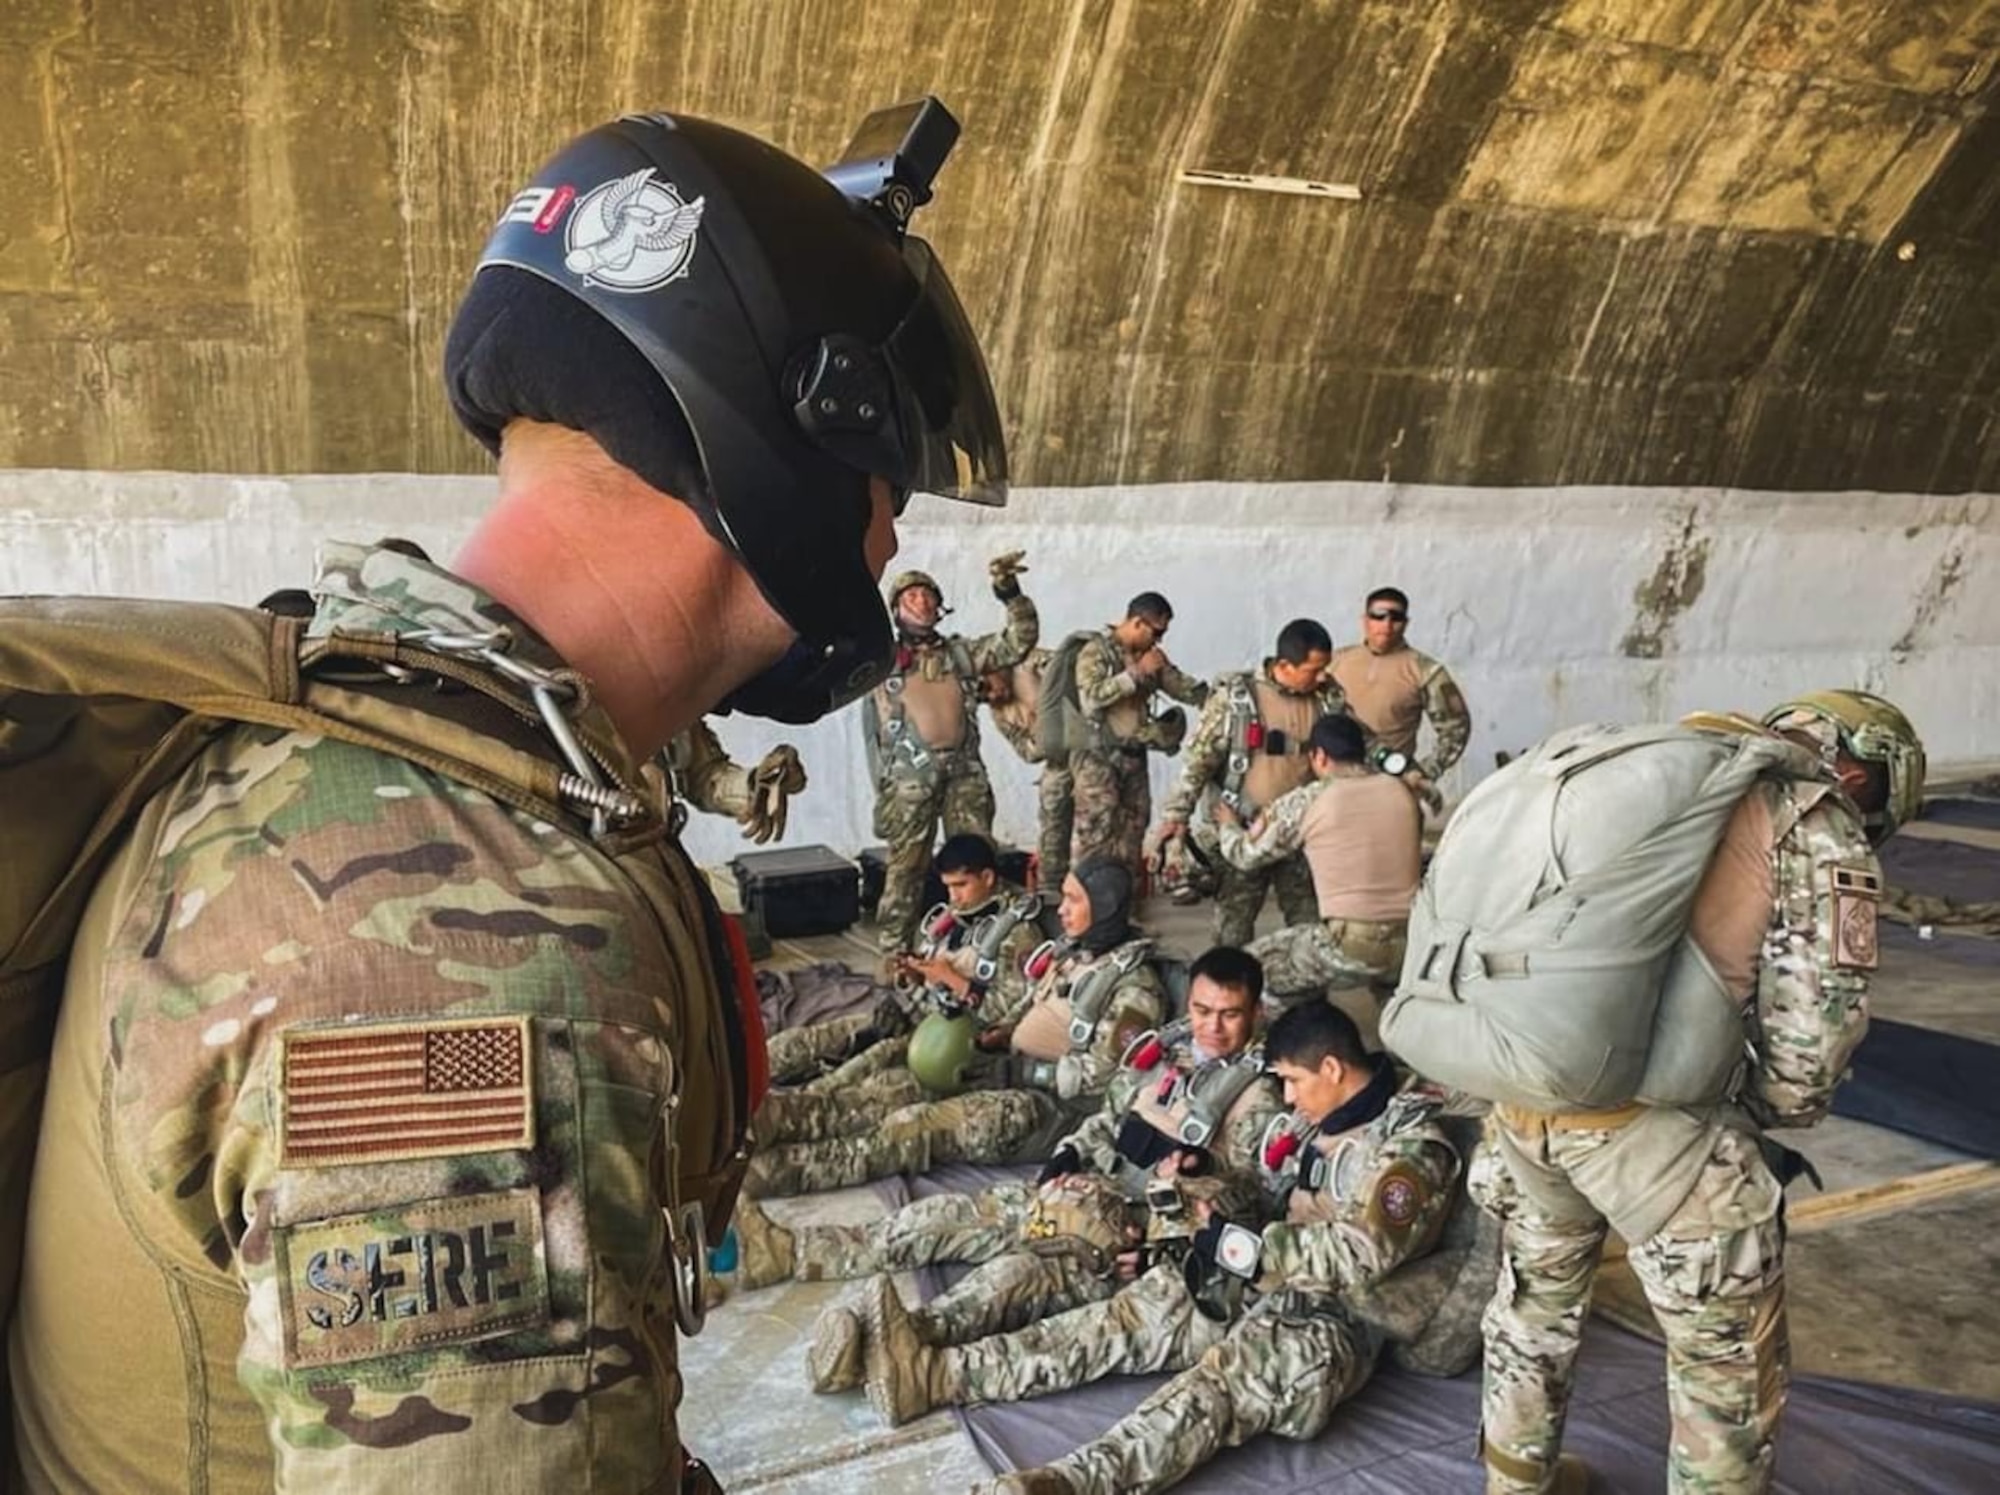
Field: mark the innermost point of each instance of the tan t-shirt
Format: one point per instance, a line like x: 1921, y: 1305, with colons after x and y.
x: 1363, y: 840
x: 1271, y: 775
x: 935, y: 704
x: 1385, y: 692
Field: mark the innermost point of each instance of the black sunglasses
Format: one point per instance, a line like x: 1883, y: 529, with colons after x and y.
x: 1387, y: 615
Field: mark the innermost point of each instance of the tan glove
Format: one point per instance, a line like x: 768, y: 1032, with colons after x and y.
x: 1005, y: 571
x: 777, y: 776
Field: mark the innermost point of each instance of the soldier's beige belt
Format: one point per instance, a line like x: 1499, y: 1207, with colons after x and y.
x: 1521, y: 1119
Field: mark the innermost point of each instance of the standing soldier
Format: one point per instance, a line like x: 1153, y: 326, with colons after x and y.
x: 1014, y: 698
x: 1093, y: 992
x: 921, y: 726
x: 1391, y: 688
x: 1248, y: 748
x: 704, y: 777
x: 1781, y: 926
x: 1361, y: 833
x: 1118, y: 672
x: 396, y: 1106
x: 1379, y: 1251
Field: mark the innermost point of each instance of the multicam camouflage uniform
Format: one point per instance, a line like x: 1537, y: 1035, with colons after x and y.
x: 1018, y: 719
x: 351, y: 1174
x: 921, y: 783
x: 1114, y: 796
x: 1058, y: 1063
x: 845, y: 1067
x: 1221, y: 761
x: 1360, y: 833
x: 704, y: 776
x: 1379, y: 1247
x: 1393, y: 692
x: 1689, y: 1187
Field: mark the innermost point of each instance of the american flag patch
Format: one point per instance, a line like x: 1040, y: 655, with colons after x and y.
x: 404, y: 1090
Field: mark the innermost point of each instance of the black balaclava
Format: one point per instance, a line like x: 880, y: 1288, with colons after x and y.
x: 1108, y: 885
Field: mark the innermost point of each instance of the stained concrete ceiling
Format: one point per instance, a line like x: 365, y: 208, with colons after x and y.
x: 1661, y: 242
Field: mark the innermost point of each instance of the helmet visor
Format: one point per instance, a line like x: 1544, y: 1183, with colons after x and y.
x: 948, y: 421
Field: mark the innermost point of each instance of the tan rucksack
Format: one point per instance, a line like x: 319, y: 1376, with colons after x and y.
x: 104, y: 701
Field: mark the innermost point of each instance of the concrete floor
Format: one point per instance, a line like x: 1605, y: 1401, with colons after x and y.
x: 1891, y: 1280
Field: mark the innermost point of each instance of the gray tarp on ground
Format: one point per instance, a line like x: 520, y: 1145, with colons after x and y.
x: 1408, y: 1435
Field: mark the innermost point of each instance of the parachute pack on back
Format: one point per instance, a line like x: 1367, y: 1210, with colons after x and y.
x: 1549, y: 961
x: 1061, y: 728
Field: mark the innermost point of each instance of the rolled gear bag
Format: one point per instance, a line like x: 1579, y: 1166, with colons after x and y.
x: 1549, y: 964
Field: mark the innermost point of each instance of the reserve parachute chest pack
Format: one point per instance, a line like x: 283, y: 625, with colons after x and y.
x: 104, y: 702
x: 1549, y: 962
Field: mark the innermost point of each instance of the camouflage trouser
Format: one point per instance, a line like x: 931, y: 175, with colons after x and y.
x: 1282, y: 1368
x: 987, y: 1126
x: 1114, y: 800
x: 1145, y: 1326
x: 945, y: 1227
x: 1305, y: 959
x: 1239, y: 898
x: 1714, y: 1276
x: 813, y: 1115
x: 801, y: 1055
x: 908, y: 811
x: 878, y: 1058
x: 1056, y: 790
x: 1009, y: 1286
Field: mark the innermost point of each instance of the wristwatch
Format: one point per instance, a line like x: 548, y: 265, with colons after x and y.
x: 1238, y: 1250
x: 1392, y: 761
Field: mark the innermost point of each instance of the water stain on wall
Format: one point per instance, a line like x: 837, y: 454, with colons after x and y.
x: 1670, y: 591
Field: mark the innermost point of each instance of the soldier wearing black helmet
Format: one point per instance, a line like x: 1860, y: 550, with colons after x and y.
x: 395, y: 1117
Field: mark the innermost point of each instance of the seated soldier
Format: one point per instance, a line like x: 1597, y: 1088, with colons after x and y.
x: 1110, y: 1219
x: 1182, y: 1122
x: 970, y: 959
x: 1380, y: 1247
x: 1362, y: 835
x: 1091, y: 993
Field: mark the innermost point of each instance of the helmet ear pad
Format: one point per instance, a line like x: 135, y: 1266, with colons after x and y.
x: 521, y: 346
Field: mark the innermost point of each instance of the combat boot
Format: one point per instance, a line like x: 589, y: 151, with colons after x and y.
x: 1572, y: 1476
x: 765, y: 1246
x: 836, y: 1360
x: 906, y: 1376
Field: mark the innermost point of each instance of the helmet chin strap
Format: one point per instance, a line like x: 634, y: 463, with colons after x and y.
x: 804, y: 685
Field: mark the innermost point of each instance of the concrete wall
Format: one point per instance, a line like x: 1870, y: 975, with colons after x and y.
x: 1742, y: 243
x: 1550, y: 605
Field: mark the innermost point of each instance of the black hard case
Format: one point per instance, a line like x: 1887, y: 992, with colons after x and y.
x: 799, y: 890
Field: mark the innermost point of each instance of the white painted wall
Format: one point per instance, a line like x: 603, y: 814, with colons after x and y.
x: 1526, y: 593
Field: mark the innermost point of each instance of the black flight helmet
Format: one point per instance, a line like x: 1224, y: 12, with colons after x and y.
x: 806, y: 340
